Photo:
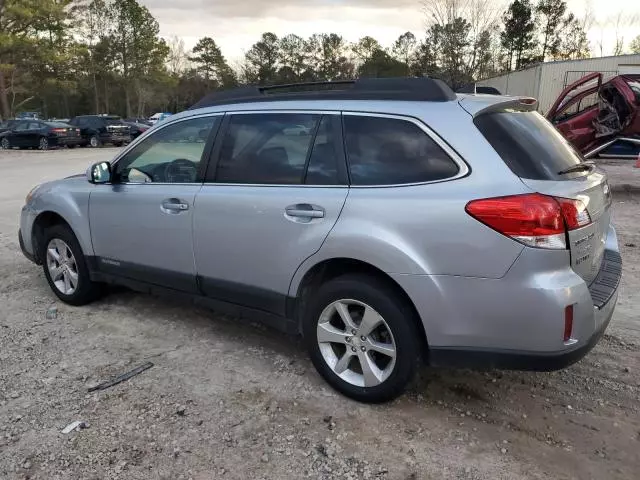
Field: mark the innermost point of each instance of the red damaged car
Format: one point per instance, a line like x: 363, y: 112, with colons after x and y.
x: 594, y: 116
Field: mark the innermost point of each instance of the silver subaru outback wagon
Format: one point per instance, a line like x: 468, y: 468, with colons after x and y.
x: 388, y: 221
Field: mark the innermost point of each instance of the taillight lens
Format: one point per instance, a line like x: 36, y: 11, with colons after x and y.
x: 59, y: 130
x: 533, y: 219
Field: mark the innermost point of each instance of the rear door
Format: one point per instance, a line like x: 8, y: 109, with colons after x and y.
x: 543, y: 159
x: 272, y: 194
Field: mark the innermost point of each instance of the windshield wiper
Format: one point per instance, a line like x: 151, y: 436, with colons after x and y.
x: 586, y: 165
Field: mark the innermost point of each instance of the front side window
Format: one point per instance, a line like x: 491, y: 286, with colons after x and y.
x: 391, y: 151
x: 171, y: 155
x: 266, y: 148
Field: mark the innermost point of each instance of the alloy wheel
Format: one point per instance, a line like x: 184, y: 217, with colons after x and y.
x: 5, y: 144
x: 93, y: 141
x: 44, y: 144
x: 356, y: 343
x: 62, y: 266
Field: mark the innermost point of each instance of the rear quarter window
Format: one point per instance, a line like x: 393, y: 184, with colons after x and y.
x: 392, y: 151
x: 530, y: 145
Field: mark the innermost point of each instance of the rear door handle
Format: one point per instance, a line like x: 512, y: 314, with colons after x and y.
x: 174, y: 205
x: 304, y: 210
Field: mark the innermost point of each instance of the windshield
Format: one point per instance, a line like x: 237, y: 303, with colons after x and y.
x: 530, y: 146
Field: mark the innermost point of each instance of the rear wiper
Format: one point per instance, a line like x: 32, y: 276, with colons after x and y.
x: 586, y: 165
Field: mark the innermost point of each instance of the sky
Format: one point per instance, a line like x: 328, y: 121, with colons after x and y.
x: 236, y: 24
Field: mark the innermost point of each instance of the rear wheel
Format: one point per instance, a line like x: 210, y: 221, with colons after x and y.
x: 362, y: 337
x: 65, y: 267
x: 5, y: 144
x: 94, y: 141
x: 43, y: 144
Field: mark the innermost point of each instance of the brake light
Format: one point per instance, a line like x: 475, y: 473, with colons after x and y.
x: 533, y: 219
x: 59, y: 130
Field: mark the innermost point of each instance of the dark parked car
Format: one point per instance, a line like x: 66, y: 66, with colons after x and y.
x: 136, y: 128
x: 593, y: 115
x: 38, y: 134
x: 98, y: 129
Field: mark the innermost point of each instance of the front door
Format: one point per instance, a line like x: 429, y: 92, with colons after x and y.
x: 141, y: 223
x: 19, y: 136
x: 268, y: 203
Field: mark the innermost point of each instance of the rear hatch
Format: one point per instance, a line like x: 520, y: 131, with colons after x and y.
x: 547, y: 163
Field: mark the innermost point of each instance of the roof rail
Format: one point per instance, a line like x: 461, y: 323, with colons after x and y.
x: 403, y: 88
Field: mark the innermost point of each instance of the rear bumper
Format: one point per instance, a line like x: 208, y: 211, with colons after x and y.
x: 517, y: 321
x: 487, y: 359
x: 62, y: 141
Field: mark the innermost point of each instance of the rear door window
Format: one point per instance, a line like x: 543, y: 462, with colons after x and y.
x: 392, y: 151
x: 530, y: 146
x: 266, y: 148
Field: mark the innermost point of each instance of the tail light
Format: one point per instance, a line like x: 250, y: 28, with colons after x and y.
x: 59, y: 130
x: 533, y: 219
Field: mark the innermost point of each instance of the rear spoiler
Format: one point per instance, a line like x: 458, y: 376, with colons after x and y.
x: 476, y: 106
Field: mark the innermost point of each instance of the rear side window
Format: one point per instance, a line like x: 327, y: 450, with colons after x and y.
x: 390, y: 151
x: 530, y: 146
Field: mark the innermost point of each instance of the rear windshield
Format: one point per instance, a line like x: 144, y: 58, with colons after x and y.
x: 530, y: 146
x: 56, y: 124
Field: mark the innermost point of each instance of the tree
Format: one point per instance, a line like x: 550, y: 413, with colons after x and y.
x: 365, y: 48
x: 552, y: 19
x: 136, y: 48
x: 211, y: 64
x: 518, y: 36
x: 334, y: 64
x: 261, y: 61
x: 381, y: 64
x: 293, y: 57
x: 404, y: 49
x: 177, y: 59
x: 574, y: 44
x: 635, y: 45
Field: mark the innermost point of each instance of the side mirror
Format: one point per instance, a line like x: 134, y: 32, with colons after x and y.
x: 99, y: 173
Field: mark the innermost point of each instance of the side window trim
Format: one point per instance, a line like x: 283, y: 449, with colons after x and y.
x: 336, y: 125
x: 463, y: 167
x: 203, y: 159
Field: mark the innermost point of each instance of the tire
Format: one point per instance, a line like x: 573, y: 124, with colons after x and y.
x: 43, y: 143
x: 5, y: 144
x: 94, y: 141
x: 62, y: 238
x: 398, y: 320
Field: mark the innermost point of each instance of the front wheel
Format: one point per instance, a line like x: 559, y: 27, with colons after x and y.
x: 5, y: 144
x: 65, y: 267
x: 94, y: 141
x: 362, y: 337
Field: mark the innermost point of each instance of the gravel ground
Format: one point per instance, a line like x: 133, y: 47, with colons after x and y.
x: 228, y: 399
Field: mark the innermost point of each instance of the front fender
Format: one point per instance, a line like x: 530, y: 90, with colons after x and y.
x: 69, y: 199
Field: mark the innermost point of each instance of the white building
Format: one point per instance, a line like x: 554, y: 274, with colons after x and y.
x: 546, y: 81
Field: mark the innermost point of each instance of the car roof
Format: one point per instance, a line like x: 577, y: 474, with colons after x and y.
x: 403, y: 89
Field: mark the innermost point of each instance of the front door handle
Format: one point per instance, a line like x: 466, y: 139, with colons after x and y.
x: 304, y: 210
x: 174, y: 205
